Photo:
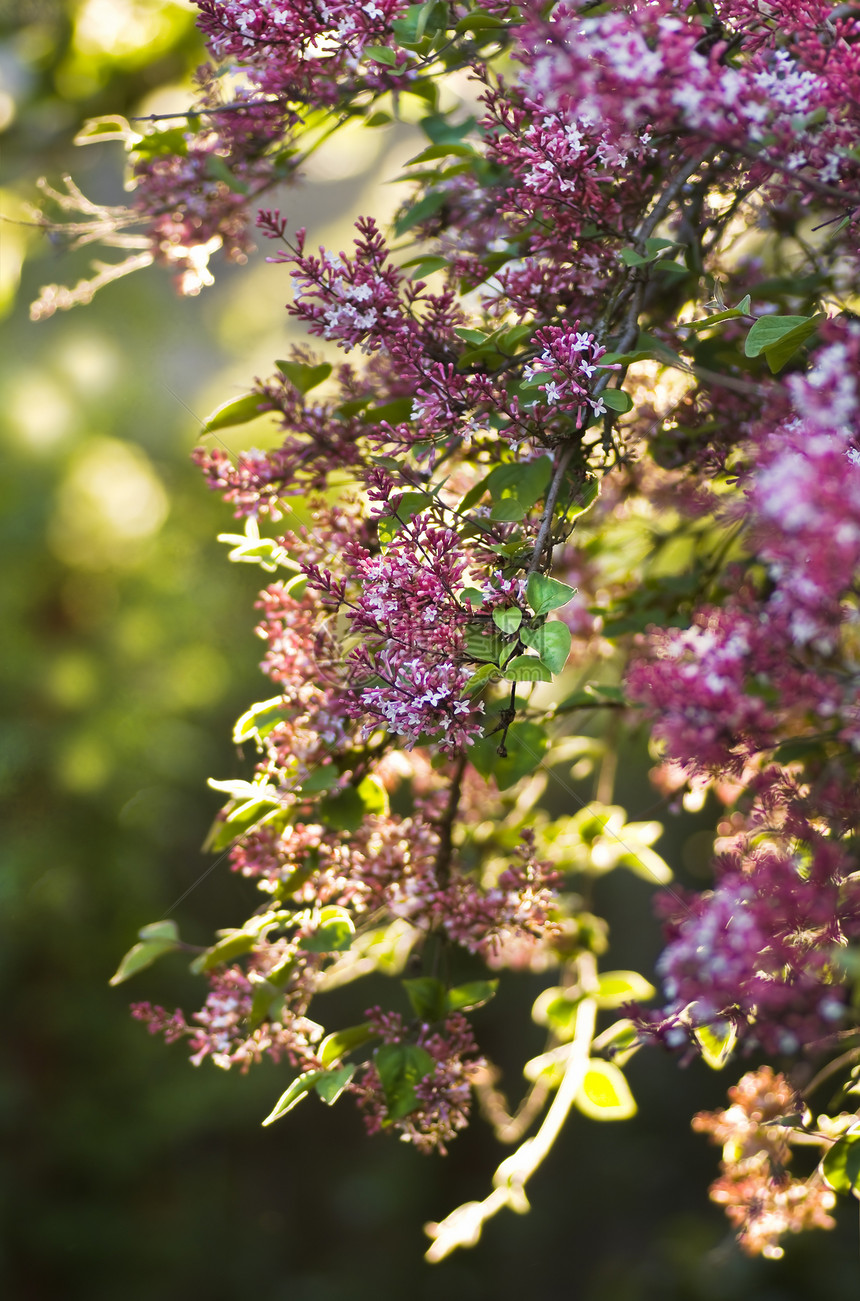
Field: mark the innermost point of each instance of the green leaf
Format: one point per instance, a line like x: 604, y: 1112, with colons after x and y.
x: 303, y: 376
x: 526, y: 482
x: 716, y: 1042
x: 604, y: 1093
x: 552, y: 643
x: 485, y: 674
x: 557, y: 1008
x: 779, y: 353
x: 159, y: 931
x: 331, y: 1084
x: 473, y: 595
x: 392, y: 412
x: 426, y: 206
x: 321, y: 779
x: 334, y: 933
x: 479, y: 20
x: 841, y: 1164
x: 631, y: 258
x: 381, y: 54
x: 616, y: 399
x: 526, y: 668
x: 509, y: 511
x: 400, y: 1067
x: 619, y: 1041
x: 475, y: 993
x: 525, y: 744
x: 483, y: 643
x: 341, y: 1042
x: 342, y: 810
x: 238, y: 411
x: 240, y: 818
x: 374, y: 796
x: 260, y: 719
x: 507, y: 651
x: 267, y: 1003
x: 438, y: 129
x: 440, y: 151
x: 507, y: 621
x: 141, y: 956
x: 218, y: 169
x: 427, y: 996
x: 231, y: 946
x: 544, y: 594
x: 427, y: 266
x: 617, y: 987
x: 172, y: 141
x: 299, y: 1088
x: 671, y: 268
x: 768, y: 330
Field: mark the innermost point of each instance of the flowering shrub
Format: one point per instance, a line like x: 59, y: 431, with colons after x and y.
x: 592, y: 452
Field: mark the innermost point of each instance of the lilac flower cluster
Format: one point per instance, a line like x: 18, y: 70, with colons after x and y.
x: 763, y: 1201
x: 411, y: 626
x: 756, y: 952
x: 442, y: 1097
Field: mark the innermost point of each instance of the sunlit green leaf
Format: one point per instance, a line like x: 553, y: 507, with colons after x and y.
x: 552, y: 643
x: 841, y: 1164
x: 716, y: 1042
x: 329, y: 1085
x: 238, y: 411
x: 303, y: 376
x: 141, y: 956
x: 333, y: 933
x: 464, y: 998
x: 507, y: 621
x: 526, y: 668
x: 605, y: 1093
x: 617, y: 987
x: 299, y: 1089
x: 341, y: 1042
x: 544, y: 594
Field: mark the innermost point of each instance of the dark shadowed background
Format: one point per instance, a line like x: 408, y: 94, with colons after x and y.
x: 128, y: 651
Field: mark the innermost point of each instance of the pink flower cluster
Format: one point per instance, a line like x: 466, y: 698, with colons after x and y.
x: 756, y: 951
x: 650, y: 67
x: 409, y: 669
x: 762, y: 1200
x: 695, y: 684
x: 568, y: 360
x: 442, y: 1097
x: 196, y: 198
x: 297, y: 48
x: 225, y: 1031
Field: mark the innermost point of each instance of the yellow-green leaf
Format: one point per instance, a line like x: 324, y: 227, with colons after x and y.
x: 604, y: 1093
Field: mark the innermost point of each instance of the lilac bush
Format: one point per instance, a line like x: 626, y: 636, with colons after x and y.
x: 591, y: 456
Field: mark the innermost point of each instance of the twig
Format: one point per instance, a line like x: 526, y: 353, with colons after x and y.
x: 462, y: 1228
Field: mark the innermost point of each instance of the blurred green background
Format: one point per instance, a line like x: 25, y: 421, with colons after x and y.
x: 128, y: 652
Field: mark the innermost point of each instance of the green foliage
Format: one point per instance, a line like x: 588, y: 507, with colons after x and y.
x: 525, y: 744
x: 400, y: 1067
x: 780, y: 337
x: 841, y: 1164
x: 238, y: 411
x: 605, y: 1093
x: 545, y: 594
x: 157, y: 938
x: 303, y: 376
